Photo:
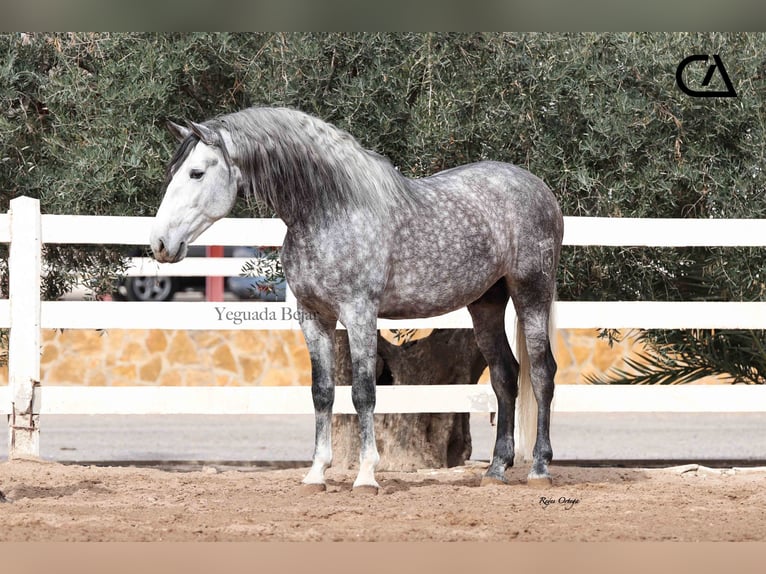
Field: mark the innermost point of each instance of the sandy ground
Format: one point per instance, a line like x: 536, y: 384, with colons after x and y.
x: 48, y: 501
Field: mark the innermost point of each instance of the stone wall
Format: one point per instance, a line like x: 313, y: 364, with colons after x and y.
x: 178, y: 358
x: 580, y: 353
x: 172, y: 358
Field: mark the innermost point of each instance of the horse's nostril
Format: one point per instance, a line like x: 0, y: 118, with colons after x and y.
x: 161, y: 246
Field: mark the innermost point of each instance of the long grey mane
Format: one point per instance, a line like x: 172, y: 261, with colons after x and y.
x: 305, y: 168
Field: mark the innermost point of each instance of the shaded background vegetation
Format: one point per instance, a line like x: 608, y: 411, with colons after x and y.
x: 597, y: 116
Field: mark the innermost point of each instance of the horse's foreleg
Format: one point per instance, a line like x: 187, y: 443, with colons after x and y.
x: 319, y: 335
x: 363, y: 346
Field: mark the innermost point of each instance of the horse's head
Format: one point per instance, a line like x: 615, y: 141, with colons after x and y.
x: 202, y: 186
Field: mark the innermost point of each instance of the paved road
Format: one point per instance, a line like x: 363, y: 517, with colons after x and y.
x: 277, y: 438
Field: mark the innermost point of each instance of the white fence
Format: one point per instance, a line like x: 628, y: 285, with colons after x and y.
x: 26, y: 231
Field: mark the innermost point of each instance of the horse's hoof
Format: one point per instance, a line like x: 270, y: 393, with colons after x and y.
x: 492, y: 480
x: 312, y: 488
x: 539, y: 481
x: 365, y: 489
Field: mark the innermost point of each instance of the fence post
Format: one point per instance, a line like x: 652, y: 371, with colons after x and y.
x: 214, y: 285
x: 24, y: 265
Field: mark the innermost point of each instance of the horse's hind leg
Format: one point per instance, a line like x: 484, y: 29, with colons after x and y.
x: 320, y: 335
x: 532, y: 300
x: 488, y: 314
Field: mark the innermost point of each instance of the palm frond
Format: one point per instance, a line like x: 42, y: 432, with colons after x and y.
x: 686, y: 356
x: 648, y: 369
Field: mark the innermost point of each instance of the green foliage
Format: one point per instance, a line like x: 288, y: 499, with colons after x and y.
x: 268, y: 266
x: 685, y: 356
x: 597, y: 116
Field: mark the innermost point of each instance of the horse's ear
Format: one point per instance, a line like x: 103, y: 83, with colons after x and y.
x: 178, y: 132
x: 204, y: 133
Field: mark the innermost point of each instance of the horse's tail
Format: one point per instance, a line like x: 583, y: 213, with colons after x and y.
x: 526, y: 404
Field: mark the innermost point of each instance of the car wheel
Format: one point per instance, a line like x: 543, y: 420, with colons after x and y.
x: 150, y: 288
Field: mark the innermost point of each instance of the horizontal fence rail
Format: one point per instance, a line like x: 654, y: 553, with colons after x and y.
x: 282, y: 316
x: 583, y: 231
x: 389, y: 399
x: 95, y: 230
x: 665, y: 232
x: 21, y: 399
x: 189, y: 267
x: 68, y: 400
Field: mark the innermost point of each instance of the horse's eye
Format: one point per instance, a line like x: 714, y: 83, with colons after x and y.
x: 196, y: 174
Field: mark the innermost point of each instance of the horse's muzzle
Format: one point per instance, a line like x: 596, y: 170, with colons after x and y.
x: 165, y: 254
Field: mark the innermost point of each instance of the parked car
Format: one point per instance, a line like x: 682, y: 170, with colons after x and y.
x: 153, y: 288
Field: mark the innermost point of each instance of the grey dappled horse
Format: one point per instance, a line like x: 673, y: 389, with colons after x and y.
x: 363, y: 242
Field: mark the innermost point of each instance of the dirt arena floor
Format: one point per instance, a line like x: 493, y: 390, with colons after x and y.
x: 45, y: 501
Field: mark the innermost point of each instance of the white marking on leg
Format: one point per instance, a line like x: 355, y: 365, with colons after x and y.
x: 322, y: 460
x: 316, y: 474
x: 368, y: 461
